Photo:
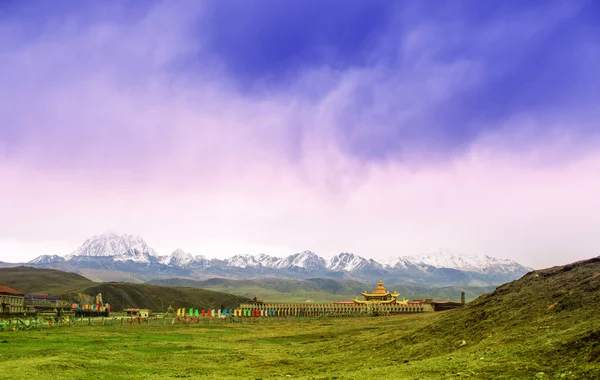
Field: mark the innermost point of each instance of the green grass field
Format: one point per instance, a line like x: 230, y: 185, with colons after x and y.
x: 542, y: 326
x: 342, y: 348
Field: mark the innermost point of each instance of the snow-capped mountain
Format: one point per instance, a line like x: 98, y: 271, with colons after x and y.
x: 450, y: 260
x: 445, y: 259
x: 250, y: 261
x: 502, y: 265
x: 120, y: 247
x: 349, y: 262
x: 179, y: 258
x: 131, y: 254
x: 402, y: 262
x: 305, y: 259
x: 47, y: 259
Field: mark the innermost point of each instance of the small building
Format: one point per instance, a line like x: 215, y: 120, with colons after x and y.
x: 11, y: 301
x: 144, y: 313
x: 132, y: 312
x: 445, y: 305
x: 41, y: 301
x: 46, y: 304
x: 258, y: 301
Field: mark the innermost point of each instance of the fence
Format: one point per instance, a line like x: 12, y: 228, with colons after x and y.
x: 302, y: 310
x: 14, y: 324
x: 245, y: 312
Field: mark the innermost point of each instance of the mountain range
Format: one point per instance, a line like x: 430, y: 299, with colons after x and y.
x: 131, y: 254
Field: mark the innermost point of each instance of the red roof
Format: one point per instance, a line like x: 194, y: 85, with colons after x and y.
x: 6, y: 290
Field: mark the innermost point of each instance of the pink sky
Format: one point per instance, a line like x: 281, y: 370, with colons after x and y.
x: 434, y: 136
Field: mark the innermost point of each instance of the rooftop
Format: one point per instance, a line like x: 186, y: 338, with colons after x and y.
x: 40, y: 296
x: 10, y: 291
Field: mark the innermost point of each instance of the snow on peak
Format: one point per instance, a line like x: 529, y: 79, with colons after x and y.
x: 348, y: 262
x: 121, y: 247
x: 267, y: 260
x: 180, y: 258
x: 243, y: 261
x: 305, y: 259
x: 446, y: 259
x: 47, y: 259
x: 401, y: 262
x: 125, y: 248
x: 251, y: 261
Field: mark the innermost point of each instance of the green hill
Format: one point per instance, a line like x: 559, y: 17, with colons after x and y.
x: 269, y: 289
x: 33, y: 280
x: 75, y: 288
x: 316, y: 289
x: 443, y: 293
x: 547, y: 321
x: 124, y: 295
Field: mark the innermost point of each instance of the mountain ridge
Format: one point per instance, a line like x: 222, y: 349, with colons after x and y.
x: 130, y: 253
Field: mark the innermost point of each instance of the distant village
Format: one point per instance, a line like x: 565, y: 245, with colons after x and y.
x: 14, y: 303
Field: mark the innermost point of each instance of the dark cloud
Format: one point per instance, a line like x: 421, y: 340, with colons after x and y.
x: 395, y: 81
x: 266, y: 43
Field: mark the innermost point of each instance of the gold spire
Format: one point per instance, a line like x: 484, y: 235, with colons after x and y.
x: 380, y: 288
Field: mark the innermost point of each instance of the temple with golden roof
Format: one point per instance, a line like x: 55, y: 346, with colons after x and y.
x: 380, y: 296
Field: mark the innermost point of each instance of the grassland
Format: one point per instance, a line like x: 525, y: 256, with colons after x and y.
x: 345, y: 348
x: 543, y: 326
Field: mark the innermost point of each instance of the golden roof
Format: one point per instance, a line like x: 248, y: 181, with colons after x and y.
x: 378, y: 294
x: 380, y: 288
x: 380, y: 291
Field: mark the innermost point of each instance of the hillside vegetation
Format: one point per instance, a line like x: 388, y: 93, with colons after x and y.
x: 275, y: 290
x: 550, y: 317
x: 317, y: 289
x: 32, y: 280
x: 123, y: 295
x: 75, y: 288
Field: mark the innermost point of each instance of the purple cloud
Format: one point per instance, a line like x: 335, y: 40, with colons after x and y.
x: 392, y: 124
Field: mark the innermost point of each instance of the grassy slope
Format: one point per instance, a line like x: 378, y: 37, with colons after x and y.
x: 547, y: 320
x: 30, y: 280
x: 73, y: 287
x: 156, y: 297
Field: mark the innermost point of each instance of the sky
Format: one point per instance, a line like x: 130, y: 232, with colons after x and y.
x: 382, y: 128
